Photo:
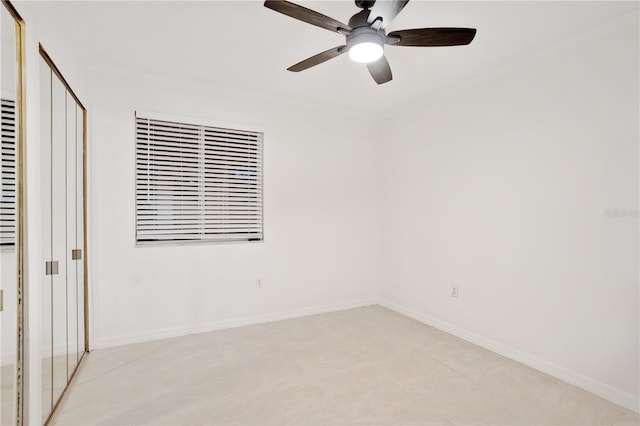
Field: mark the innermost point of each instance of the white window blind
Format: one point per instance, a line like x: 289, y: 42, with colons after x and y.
x: 8, y: 170
x: 197, y: 182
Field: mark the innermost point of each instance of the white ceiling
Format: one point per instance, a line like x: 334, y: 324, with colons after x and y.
x: 243, y: 45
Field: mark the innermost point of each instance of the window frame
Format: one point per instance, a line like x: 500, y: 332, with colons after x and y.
x: 195, y: 121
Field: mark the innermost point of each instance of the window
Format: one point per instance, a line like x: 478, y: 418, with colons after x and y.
x: 8, y: 170
x: 196, y: 182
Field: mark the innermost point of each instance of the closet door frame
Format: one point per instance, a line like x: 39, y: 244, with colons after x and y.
x: 85, y: 280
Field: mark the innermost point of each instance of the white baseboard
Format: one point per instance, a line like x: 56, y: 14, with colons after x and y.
x: 128, y: 339
x: 617, y: 396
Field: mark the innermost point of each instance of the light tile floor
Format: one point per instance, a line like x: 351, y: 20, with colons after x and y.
x: 361, y: 366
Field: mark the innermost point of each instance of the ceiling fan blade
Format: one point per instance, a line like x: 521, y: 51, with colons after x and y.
x: 387, y: 10
x: 307, y: 15
x: 380, y: 70
x: 431, y: 37
x: 318, y: 59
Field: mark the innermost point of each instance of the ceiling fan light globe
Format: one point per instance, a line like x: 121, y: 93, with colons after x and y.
x: 365, y: 52
x: 365, y: 45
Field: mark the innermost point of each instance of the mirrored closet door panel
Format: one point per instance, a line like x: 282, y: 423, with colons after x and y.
x: 10, y: 212
x: 47, y: 281
x: 62, y: 157
x: 78, y: 256
x: 70, y: 240
x: 59, y: 306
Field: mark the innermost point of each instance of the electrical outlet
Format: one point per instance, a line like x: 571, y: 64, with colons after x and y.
x: 259, y: 283
x: 454, y: 291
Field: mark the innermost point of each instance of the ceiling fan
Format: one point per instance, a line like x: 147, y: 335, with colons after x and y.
x: 365, y: 34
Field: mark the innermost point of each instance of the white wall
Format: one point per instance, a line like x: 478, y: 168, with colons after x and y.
x: 321, y: 217
x: 503, y: 187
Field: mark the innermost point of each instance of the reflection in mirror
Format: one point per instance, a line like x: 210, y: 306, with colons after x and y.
x: 71, y: 290
x: 79, y: 231
x: 58, y: 236
x: 9, y: 72
x: 45, y: 172
x: 62, y: 121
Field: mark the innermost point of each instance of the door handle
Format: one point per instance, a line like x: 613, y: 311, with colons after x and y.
x: 76, y: 254
x: 51, y: 267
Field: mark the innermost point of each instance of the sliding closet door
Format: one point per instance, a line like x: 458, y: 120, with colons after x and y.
x: 47, y: 281
x: 63, y: 218
x: 59, y: 303
x: 79, y: 254
x: 72, y: 218
x: 10, y: 213
x: 70, y: 238
x: 55, y: 304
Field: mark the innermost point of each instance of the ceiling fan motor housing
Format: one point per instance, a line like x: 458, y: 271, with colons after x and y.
x: 365, y: 4
x: 360, y: 19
